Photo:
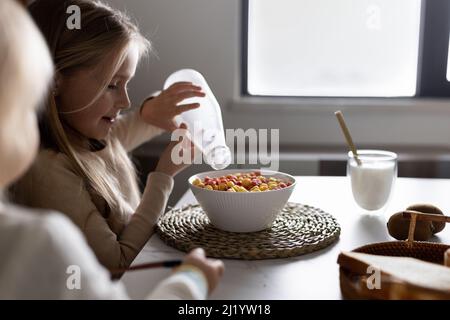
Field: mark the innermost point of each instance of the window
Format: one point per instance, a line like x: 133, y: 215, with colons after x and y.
x: 346, y: 48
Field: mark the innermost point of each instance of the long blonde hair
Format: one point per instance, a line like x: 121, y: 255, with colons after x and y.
x: 25, y: 62
x: 103, y: 31
x: 25, y: 73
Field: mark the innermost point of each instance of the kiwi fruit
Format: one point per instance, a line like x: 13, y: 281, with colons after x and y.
x: 429, y: 208
x: 398, y: 226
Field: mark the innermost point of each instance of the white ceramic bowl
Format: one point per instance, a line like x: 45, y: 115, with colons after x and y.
x: 242, y: 211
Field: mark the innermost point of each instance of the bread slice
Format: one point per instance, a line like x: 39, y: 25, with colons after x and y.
x: 412, y: 271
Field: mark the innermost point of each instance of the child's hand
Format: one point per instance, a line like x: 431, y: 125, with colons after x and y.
x: 165, y: 163
x: 161, y: 110
x: 213, y: 269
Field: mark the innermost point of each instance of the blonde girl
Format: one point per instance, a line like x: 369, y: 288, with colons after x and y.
x: 83, y: 169
x: 40, y: 249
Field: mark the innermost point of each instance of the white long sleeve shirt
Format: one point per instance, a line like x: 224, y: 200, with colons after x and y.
x: 44, y: 256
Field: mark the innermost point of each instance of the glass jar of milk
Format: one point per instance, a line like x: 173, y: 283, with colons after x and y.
x: 372, y: 181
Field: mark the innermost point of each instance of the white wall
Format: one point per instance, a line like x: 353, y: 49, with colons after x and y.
x: 205, y: 35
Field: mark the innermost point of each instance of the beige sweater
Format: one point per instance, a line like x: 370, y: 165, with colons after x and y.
x: 52, y: 184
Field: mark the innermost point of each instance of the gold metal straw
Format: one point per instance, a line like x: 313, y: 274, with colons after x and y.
x: 347, y: 135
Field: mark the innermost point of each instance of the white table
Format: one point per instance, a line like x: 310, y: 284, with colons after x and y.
x: 312, y: 276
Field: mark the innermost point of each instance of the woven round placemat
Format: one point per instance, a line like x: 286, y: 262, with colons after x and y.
x: 298, y: 229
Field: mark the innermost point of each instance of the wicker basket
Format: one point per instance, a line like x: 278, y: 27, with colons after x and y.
x: 353, y: 278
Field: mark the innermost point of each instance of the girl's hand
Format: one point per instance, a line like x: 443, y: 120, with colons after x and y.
x: 161, y: 110
x: 165, y: 163
x: 213, y: 269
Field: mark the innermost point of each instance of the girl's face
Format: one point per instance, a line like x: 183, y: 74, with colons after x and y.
x: 79, y: 89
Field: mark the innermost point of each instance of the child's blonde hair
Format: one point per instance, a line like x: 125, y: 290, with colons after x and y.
x: 25, y: 63
x: 104, y: 33
x: 25, y: 73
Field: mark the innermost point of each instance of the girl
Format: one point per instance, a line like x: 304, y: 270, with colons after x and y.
x: 83, y: 169
x: 37, y: 251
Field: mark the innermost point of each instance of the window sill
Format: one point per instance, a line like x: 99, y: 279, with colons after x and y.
x: 327, y: 105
